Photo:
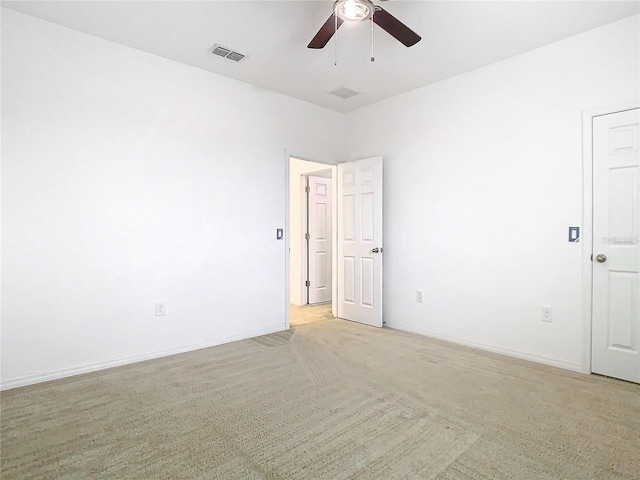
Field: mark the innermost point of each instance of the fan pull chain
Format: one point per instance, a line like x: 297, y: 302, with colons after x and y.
x: 335, y: 33
x: 373, y: 59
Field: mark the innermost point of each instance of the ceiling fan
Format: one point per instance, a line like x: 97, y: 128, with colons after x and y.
x: 360, y: 10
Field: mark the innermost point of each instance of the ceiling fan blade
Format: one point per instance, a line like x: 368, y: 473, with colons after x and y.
x: 395, y: 27
x: 325, y: 33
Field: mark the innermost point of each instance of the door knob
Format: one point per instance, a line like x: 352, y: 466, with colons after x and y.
x: 376, y: 250
x: 601, y: 258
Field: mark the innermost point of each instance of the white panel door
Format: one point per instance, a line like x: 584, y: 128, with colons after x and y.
x: 360, y: 241
x: 616, y: 248
x: 319, y: 250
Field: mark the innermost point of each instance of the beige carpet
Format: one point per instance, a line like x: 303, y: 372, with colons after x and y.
x: 328, y: 399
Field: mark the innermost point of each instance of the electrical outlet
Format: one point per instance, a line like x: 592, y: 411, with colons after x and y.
x: 418, y: 295
x: 161, y: 310
x: 545, y: 314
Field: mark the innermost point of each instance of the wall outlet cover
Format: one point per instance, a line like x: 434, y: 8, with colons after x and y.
x: 545, y: 314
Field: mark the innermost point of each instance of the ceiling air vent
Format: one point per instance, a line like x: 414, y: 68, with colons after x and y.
x: 227, y: 53
x: 235, y: 56
x: 344, y: 92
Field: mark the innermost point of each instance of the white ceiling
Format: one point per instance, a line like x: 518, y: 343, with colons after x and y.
x: 457, y: 36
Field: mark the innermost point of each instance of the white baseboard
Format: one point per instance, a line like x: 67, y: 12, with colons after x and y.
x: 69, y: 372
x: 553, y: 362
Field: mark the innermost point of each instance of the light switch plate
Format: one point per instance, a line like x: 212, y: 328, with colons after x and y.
x: 574, y: 234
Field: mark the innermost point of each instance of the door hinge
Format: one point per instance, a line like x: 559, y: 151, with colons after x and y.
x: 307, y: 236
x: 307, y: 283
x: 307, y: 189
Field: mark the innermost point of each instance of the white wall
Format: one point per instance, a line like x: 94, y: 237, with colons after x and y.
x: 128, y: 179
x: 483, y: 177
x: 298, y: 167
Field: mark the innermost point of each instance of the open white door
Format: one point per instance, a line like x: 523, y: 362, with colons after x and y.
x: 359, y: 245
x: 319, y: 239
x: 616, y: 250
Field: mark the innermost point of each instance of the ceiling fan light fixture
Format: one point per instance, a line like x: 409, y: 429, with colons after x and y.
x: 354, y: 10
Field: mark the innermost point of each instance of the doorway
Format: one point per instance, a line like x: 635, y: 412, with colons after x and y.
x: 302, y: 220
x: 612, y: 218
x: 356, y: 278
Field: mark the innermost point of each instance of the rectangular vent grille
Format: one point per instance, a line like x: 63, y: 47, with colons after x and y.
x: 344, y: 92
x: 227, y: 53
x: 235, y: 56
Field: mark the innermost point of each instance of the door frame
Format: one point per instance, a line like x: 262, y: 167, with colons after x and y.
x: 586, y: 237
x: 287, y: 237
